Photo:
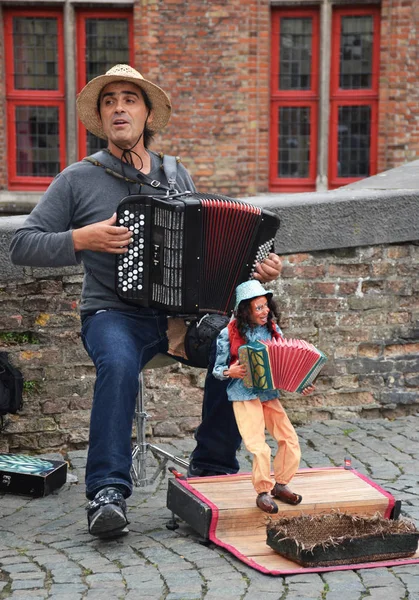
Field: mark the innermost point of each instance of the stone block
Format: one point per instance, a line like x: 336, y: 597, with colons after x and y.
x: 167, y: 428
x: 412, y: 380
x: 398, y: 397
x: 368, y: 365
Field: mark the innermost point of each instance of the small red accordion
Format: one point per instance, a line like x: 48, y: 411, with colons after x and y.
x: 283, y: 364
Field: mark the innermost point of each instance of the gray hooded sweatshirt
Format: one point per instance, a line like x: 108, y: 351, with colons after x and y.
x: 80, y: 195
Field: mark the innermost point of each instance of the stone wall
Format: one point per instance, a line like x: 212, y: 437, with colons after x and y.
x: 349, y: 284
x: 361, y: 307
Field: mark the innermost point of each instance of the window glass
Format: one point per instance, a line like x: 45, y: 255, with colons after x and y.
x: 295, y: 53
x: 35, y: 53
x: 37, y: 141
x: 294, y: 141
x: 107, y: 44
x: 356, y: 51
x: 354, y: 141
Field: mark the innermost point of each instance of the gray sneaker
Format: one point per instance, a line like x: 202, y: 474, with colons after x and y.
x: 106, y: 514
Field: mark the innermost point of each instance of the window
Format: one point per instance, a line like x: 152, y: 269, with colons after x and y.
x: 354, y: 94
x: 294, y: 100
x: 36, y: 84
x: 35, y: 97
x: 345, y: 149
x: 103, y: 40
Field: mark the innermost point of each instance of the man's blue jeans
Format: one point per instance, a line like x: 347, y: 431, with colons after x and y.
x: 217, y: 436
x: 120, y: 344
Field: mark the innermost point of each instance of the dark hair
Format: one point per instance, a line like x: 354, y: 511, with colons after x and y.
x: 148, y: 133
x: 243, y: 315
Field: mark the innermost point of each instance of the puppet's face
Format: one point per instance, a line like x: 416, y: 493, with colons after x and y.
x: 259, y: 310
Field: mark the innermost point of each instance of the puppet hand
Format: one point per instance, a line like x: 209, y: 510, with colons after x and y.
x: 308, y: 390
x: 236, y: 371
x: 269, y: 269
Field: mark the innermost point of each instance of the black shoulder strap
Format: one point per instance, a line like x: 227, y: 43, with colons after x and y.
x: 170, y: 169
x: 104, y: 163
x: 107, y: 162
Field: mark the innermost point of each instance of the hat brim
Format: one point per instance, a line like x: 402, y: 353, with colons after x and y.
x: 87, y: 102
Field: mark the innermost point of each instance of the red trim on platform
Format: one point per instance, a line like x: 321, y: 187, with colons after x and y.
x: 248, y: 561
x: 391, y: 500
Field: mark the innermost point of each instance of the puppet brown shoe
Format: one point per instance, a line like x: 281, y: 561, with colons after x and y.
x: 265, y: 503
x: 283, y: 493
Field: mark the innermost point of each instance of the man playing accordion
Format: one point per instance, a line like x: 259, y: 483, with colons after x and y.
x: 75, y: 222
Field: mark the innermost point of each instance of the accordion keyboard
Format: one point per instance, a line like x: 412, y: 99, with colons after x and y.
x: 130, y: 270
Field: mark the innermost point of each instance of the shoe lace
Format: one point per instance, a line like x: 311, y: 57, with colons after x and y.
x: 106, y: 496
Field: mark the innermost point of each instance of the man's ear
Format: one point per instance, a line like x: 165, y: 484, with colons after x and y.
x: 150, y: 116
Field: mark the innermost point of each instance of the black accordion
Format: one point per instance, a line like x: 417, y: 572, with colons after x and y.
x: 190, y: 251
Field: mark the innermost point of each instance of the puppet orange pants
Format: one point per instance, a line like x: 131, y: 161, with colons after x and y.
x: 252, y: 417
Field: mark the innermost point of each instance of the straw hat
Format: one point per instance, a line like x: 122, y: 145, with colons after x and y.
x: 250, y: 289
x: 87, y: 100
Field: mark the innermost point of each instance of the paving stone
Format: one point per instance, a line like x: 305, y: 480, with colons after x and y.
x: 255, y: 595
x: 28, y: 595
x: 27, y: 584
x: 28, y: 575
x: 59, y: 589
x: 25, y: 567
x: 60, y: 596
x: 378, y: 593
x: 345, y: 595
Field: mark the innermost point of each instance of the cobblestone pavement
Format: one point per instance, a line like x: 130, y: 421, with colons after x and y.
x: 46, y: 552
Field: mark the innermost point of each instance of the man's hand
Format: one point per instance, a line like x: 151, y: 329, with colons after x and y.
x: 236, y: 371
x: 269, y: 269
x: 102, y: 237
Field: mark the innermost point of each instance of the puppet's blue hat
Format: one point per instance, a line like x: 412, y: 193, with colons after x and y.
x: 250, y: 289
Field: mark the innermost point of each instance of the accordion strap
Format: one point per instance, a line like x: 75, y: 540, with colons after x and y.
x: 170, y: 169
x: 108, y: 162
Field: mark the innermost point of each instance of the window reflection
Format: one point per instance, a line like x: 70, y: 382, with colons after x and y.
x: 356, y: 46
x: 354, y: 141
x: 295, y: 53
x: 35, y: 53
x: 37, y: 141
x: 294, y: 141
x: 107, y: 44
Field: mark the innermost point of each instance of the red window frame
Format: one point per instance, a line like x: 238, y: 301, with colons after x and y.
x: 293, y: 98
x: 81, y: 17
x: 15, y: 97
x: 355, y: 97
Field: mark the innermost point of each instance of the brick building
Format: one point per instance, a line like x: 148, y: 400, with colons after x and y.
x: 273, y: 96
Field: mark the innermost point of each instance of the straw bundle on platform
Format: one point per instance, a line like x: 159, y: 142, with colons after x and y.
x: 339, y: 539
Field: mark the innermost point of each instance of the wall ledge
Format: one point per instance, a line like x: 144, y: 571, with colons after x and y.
x: 383, y: 209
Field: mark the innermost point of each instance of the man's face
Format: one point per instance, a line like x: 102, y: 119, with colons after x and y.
x: 123, y: 113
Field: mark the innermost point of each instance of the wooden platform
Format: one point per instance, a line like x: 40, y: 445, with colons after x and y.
x: 223, y: 510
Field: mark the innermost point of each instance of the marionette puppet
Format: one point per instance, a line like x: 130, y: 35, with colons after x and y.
x: 255, y: 319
